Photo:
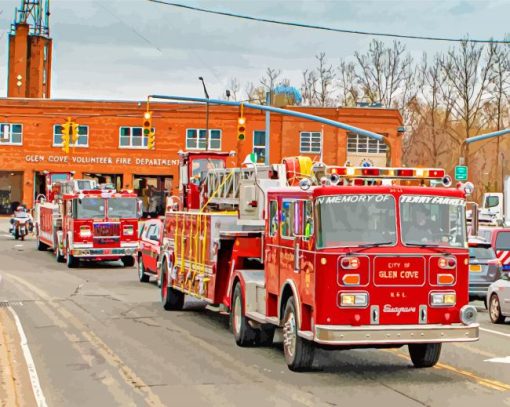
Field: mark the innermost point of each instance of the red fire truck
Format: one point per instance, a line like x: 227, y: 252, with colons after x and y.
x: 327, y: 256
x: 81, y: 222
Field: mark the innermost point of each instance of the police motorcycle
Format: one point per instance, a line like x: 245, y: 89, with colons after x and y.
x: 21, y: 223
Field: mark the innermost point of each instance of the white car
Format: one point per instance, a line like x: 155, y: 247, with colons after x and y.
x: 498, y: 299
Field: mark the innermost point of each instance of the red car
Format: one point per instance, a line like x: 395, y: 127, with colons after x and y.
x: 499, y: 238
x: 149, y: 247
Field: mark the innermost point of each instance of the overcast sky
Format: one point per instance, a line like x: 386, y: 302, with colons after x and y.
x: 126, y: 49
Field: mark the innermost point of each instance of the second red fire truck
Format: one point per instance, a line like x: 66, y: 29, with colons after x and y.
x: 78, y: 222
x: 334, y: 257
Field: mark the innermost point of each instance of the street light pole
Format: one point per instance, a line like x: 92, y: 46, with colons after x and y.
x: 206, y: 117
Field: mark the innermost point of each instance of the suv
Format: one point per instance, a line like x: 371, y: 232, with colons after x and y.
x: 484, y: 268
x: 499, y: 238
x: 149, y: 247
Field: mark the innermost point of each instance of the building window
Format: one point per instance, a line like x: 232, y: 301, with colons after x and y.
x: 310, y: 142
x: 259, y: 145
x: 196, y: 140
x: 11, y: 133
x: 83, y: 136
x: 132, y: 137
x: 362, y: 144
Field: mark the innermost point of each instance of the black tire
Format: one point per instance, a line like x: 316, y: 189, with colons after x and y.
x: 128, y: 261
x: 16, y: 234
x: 424, y: 354
x: 172, y: 299
x: 495, y: 310
x: 59, y: 256
x: 71, y: 261
x: 142, y: 277
x: 299, y: 352
x: 485, y: 303
x: 42, y: 247
x: 244, y: 334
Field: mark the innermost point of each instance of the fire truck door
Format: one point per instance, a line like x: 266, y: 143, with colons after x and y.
x: 271, y: 260
x: 307, y: 254
x: 288, y: 243
x: 150, y: 248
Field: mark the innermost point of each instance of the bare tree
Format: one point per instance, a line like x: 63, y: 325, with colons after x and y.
x: 468, y: 73
x: 270, y: 80
x: 234, y: 87
x: 325, y: 77
x: 255, y: 94
x: 308, y: 87
x: 348, y: 88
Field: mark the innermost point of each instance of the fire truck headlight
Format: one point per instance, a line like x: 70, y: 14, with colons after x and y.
x: 85, y: 231
x: 443, y: 299
x: 128, y: 230
x: 353, y: 300
x: 468, y: 314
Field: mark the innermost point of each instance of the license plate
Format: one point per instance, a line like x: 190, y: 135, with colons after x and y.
x: 475, y: 268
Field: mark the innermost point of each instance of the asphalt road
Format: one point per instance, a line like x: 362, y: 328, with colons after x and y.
x: 98, y: 337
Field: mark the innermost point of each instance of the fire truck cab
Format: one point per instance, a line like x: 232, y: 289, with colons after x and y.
x: 82, y: 223
x: 335, y: 257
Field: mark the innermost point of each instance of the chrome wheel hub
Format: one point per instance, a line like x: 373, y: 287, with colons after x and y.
x: 289, y: 335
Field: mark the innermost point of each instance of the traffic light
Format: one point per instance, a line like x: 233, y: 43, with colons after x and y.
x: 241, y: 128
x: 75, y: 132
x: 147, y: 123
x: 66, y: 136
x: 151, y: 141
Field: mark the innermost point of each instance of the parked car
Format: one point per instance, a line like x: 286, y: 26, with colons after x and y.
x: 149, y: 247
x: 484, y: 268
x: 498, y: 298
x: 499, y: 238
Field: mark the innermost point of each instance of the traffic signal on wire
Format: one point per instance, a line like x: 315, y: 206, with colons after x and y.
x: 241, y: 128
x: 151, y: 140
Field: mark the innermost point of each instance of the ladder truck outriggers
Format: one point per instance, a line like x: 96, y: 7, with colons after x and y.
x: 78, y: 221
x: 334, y: 257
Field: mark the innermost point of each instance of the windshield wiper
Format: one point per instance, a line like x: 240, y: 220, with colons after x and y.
x: 377, y: 244
x: 427, y: 245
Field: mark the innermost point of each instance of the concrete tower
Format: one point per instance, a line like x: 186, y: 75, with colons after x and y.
x: 29, y: 74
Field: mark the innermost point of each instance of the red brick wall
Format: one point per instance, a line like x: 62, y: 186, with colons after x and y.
x: 170, y: 121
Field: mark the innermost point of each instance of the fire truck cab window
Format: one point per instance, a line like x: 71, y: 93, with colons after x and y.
x: 308, y: 219
x: 89, y: 208
x: 273, y: 218
x: 59, y: 177
x: 124, y: 208
x: 350, y: 220
x: 503, y: 241
x: 433, y: 220
x: 200, y: 167
x: 287, y: 219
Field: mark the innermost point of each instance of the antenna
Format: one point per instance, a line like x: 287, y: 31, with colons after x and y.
x: 35, y: 13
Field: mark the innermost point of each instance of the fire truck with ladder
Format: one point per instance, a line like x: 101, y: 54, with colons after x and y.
x: 78, y: 221
x: 325, y: 256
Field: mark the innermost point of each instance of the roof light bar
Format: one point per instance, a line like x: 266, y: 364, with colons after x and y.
x: 384, y: 172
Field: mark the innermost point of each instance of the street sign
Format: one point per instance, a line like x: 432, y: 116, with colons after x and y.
x: 461, y: 173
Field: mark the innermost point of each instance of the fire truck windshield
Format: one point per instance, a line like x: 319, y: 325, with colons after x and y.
x: 354, y: 220
x: 124, y: 208
x: 59, y: 177
x: 201, y: 165
x: 433, y: 220
x: 89, y: 208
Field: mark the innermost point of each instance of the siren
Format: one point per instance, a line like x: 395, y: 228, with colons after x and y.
x: 468, y: 188
x: 334, y: 179
x: 325, y: 181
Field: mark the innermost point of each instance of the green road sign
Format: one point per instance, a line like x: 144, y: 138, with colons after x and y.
x: 461, y: 173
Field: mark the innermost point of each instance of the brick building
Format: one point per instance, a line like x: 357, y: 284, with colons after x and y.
x: 111, y: 147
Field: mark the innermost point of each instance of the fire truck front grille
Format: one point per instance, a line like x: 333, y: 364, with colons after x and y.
x: 106, y: 229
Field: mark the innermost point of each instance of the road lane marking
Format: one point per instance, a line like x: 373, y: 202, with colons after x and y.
x: 505, y: 359
x: 129, y: 376
x: 494, y: 332
x: 32, y: 371
x: 492, y: 384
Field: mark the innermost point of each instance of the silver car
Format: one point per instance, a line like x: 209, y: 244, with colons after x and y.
x: 484, y: 269
x: 498, y: 298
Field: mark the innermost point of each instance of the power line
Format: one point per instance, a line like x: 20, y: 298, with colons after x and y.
x: 324, y: 28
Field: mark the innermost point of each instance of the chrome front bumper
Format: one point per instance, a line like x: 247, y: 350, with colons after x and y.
x: 393, y: 334
x: 104, y: 253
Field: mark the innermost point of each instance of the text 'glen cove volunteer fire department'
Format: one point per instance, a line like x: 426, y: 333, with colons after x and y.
x: 336, y: 257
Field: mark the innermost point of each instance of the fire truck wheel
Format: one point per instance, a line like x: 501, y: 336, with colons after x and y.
x: 244, y: 334
x: 144, y: 278
x: 298, y: 352
x: 42, y: 247
x: 128, y: 261
x: 172, y: 299
x: 495, y: 310
x: 424, y: 354
x: 71, y: 261
x: 59, y: 256
x: 265, y: 336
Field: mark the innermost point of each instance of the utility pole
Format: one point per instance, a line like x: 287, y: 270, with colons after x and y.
x: 206, y: 117
x: 268, y: 130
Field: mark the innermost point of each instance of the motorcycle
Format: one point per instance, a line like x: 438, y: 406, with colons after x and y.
x: 21, y: 225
